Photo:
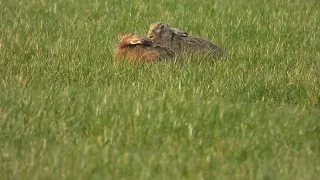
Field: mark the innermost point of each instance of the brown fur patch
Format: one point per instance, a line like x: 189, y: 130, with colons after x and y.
x: 141, y: 49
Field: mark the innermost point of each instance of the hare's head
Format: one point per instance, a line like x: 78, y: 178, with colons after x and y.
x: 133, y: 39
x: 163, y: 31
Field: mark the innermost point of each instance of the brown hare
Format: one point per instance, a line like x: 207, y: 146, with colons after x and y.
x: 179, y: 41
x: 141, y: 49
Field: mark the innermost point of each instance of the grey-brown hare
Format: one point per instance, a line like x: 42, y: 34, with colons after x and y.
x: 179, y: 41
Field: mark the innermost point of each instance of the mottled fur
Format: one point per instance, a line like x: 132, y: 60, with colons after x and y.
x: 141, y: 49
x: 179, y: 41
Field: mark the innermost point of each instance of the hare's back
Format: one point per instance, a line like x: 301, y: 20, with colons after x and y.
x: 159, y: 52
x: 166, y: 51
x: 198, y: 44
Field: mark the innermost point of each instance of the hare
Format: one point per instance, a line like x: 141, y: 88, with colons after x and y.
x: 141, y: 49
x: 179, y: 41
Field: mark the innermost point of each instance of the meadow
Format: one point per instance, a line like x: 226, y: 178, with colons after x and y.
x: 67, y: 111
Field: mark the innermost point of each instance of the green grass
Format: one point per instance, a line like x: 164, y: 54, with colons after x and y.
x: 68, y: 112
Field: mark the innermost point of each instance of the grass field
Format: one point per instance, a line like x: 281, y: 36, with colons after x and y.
x: 68, y: 112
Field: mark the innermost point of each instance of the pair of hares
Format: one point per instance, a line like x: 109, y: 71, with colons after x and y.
x: 163, y: 42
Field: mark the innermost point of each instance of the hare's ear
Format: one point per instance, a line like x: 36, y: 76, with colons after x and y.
x: 147, y: 41
x: 144, y: 41
x: 136, y: 41
x: 163, y: 27
x: 179, y: 32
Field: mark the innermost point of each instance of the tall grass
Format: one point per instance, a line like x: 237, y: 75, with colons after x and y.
x: 68, y: 112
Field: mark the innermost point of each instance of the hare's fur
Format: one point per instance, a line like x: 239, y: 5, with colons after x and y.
x: 141, y: 49
x: 179, y: 41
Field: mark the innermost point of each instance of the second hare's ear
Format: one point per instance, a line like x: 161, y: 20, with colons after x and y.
x: 136, y: 41
x: 163, y: 27
x: 179, y: 32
